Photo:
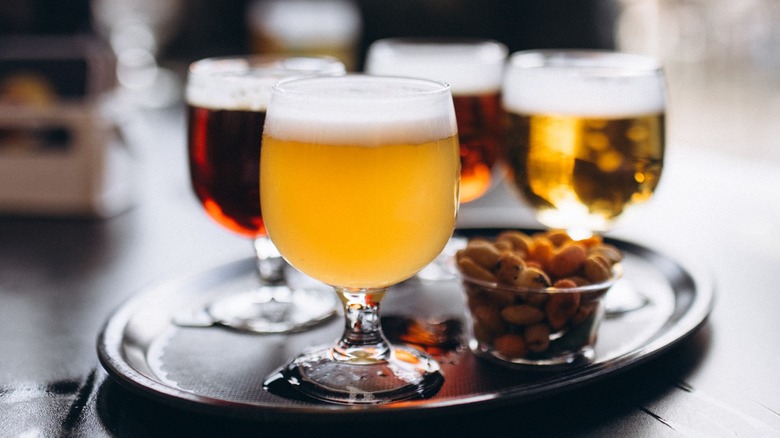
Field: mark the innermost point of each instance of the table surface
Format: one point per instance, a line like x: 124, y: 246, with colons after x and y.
x: 60, y: 279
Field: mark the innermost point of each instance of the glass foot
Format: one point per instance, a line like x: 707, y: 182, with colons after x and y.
x: 274, y: 309
x: 408, y: 374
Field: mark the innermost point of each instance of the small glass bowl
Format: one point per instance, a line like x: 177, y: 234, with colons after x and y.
x: 542, y: 328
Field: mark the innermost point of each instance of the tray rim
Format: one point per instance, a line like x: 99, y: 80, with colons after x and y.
x: 110, y: 356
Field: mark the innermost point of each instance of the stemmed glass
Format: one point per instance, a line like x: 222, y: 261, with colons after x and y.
x: 473, y: 68
x: 227, y: 100
x: 359, y: 181
x: 585, y: 140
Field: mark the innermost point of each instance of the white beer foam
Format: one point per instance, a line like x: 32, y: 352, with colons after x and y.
x: 583, y: 95
x: 362, y: 111
x: 466, y: 68
x: 246, y: 83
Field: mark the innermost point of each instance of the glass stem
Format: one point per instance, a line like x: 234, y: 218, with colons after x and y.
x: 270, y: 264
x: 363, y: 340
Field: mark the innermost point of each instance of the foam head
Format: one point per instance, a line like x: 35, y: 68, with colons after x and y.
x: 245, y: 83
x: 583, y: 83
x: 469, y: 66
x: 361, y: 110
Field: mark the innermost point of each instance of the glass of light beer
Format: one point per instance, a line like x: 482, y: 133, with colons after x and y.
x: 226, y: 104
x: 359, y: 180
x: 585, y: 138
x: 473, y: 68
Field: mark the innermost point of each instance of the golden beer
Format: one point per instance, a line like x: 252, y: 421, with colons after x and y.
x: 360, y: 216
x: 584, y: 170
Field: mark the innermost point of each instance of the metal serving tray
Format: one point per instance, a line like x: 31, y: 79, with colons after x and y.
x: 221, y: 371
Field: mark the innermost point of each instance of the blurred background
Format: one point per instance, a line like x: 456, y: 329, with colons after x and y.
x: 722, y: 57
x: 187, y: 30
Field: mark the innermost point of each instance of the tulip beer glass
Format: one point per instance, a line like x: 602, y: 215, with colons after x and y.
x: 359, y: 181
x: 227, y: 100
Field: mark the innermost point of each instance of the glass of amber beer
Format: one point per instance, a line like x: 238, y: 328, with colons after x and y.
x: 359, y: 180
x: 585, y: 138
x: 473, y: 68
x: 227, y: 100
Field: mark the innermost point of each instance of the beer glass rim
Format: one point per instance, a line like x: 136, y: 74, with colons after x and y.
x: 268, y: 64
x: 488, y: 48
x: 472, y: 66
x: 585, y: 61
x: 287, y: 86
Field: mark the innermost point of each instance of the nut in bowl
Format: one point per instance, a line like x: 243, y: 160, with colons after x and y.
x: 536, y: 301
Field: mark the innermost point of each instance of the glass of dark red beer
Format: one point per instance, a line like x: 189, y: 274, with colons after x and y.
x: 226, y: 106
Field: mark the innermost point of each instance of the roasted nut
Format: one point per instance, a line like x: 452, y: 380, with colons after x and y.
x: 532, y: 278
x: 541, y: 251
x: 535, y: 299
x: 568, y: 260
x: 482, y: 253
x: 510, y: 345
x: 597, y: 269
x: 471, y: 269
x: 509, y: 267
x: 609, y: 252
x: 522, y: 314
x: 558, y: 237
x: 534, y: 264
x: 560, y: 307
x: 503, y: 245
x: 520, y: 241
x: 537, y: 338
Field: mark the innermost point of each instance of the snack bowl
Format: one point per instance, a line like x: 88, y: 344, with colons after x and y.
x: 537, y: 321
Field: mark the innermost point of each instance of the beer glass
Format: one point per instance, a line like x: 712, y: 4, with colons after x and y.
x: 473, y: 69
x: 359, y: 180
x: 585, y: 139
x: 227, y: 100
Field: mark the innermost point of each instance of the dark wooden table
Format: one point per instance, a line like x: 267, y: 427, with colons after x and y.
x: 60, y: 279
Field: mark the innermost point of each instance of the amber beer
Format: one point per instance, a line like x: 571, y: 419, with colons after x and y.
x: 583, y: 149
x: 480, y: 132
x: 473, y: 69
x: 224, y: 157
x: 226, y: 102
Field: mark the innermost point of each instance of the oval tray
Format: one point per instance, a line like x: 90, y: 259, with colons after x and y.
x: 222, y: 371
